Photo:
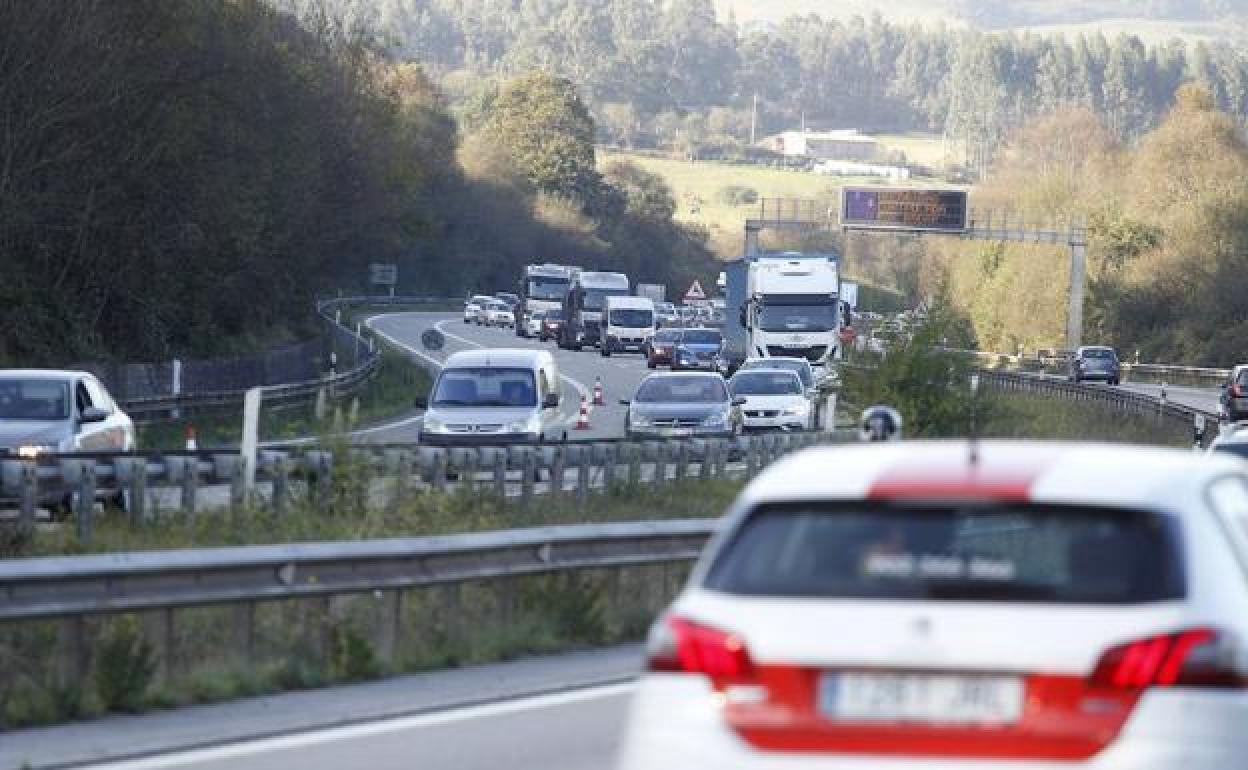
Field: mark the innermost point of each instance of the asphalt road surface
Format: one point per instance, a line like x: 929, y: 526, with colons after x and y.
x: 620, y: 374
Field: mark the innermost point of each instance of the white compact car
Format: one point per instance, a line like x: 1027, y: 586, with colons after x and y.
x: 941, y: 605
x: 775, y: 399
x: 474, y: 307
x: 497, y: 313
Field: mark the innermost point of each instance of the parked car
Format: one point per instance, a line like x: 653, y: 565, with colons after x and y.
x: 491, y: 397
x: 552, y: 322
x: 1233, y: 401
x: 45, y: 411
x: 668, y: 405
x: 941, y: 605
x: 775, y: 399
x: 660, y: 347
x: 697, y: 349
x: 497, y: 313
x: 1095, y: 362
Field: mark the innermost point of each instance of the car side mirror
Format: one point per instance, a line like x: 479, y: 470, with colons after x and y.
x: 421, y: 402
x: 551, y: 401
x: 94, y: 414
x: 625, y: 402
x: 738, y: 401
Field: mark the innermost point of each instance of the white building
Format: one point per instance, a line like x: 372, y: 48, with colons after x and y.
x: 847, y: 144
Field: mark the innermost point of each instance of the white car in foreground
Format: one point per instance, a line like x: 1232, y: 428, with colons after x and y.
x: 775, y: 399
x: 941, y: 605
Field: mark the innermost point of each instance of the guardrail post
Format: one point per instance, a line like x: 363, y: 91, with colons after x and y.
x: 389, y: 623
x: 437, y: 473
x: 500, y: 473
x: 704, y: 464
x: 84, y: 505
x: 324, y: 479
x: 402, y: 466
x: 609, y: 459
x: 682, y: 460
x: 190, y: 489
x: 634, y: 464
x: 29, y: 480
x: 71, y: 657
x: 137, y: 488
x: 585, y: 462
x: 159, y: 631
x: 243, y: 627
x: 660, y: 463
x: 722, y: 450
x: 557, y: 471
x: 529, y: 469
x: 751, y: 458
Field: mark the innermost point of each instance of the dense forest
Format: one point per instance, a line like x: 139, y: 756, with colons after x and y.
x: 672, y: 73
x: 182, y: 178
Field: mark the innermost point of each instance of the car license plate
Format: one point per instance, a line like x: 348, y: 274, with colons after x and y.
x: 921, y: 698
x: 674, y: 432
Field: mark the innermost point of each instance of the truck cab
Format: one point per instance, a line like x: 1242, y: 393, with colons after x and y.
x: 583, y: 306
x: 793, y: 308
x: 543, y: 287
x: 628, y: 323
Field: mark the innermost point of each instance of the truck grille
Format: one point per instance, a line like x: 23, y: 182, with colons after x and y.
x: 813, y: 353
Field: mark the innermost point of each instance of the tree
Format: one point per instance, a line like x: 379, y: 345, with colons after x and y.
x: 542, y: 123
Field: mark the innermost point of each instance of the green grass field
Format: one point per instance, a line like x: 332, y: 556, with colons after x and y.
x: 704, y: 180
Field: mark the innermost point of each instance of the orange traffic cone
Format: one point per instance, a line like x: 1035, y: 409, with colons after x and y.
x: 582, y: 422
x: 598, y: 401
x: 191, y: 444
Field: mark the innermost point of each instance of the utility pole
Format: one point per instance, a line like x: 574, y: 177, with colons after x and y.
x: 754, y: 121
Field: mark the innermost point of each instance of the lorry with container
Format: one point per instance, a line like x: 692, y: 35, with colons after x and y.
x: 656, y: 292
x: 628, y: 323
x: 541, y: 288
x: 785, y: 305
x: 583, y: 306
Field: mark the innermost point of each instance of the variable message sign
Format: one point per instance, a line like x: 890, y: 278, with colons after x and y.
x: 885, y: 208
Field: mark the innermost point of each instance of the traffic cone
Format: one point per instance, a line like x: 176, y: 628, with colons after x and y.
x: 582, y: 422
x: 191, y: 444
x: 598, y: 401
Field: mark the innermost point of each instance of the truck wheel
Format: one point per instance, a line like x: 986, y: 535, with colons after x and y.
x: 650, y: 364
x: 605, y: 350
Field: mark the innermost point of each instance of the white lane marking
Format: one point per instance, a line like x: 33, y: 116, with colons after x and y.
x: 354, y: 732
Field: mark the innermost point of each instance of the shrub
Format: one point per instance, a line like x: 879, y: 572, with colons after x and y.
x: 125, y: 667
x: 737, y: 195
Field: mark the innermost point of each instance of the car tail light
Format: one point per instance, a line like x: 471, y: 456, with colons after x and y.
x: 1200, y: 657
x: 1237, y: 390
x: 682, y: 646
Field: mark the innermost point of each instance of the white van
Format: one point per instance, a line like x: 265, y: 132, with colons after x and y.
x: 493, y: 397
x: 627, y: 323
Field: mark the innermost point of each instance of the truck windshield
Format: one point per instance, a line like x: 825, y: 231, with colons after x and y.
x: 632, y: 318
x: 806, y: 317
x: 546, y: 288
x: 596, y: 298
x: 485, y: 386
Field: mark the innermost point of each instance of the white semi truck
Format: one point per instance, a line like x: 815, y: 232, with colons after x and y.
x: 542, y: 288
x: 785, y: 305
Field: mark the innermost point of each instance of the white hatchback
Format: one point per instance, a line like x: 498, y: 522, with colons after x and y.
x: 942, y: 605
x: 775, y: 399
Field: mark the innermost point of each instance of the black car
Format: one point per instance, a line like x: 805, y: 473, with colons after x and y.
x: 1234, y: 398
x: 1094, y: 362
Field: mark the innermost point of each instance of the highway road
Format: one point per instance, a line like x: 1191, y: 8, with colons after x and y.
x: 620, y: 374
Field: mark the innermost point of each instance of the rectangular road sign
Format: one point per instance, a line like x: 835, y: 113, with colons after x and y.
x: 892, y: 208
x: 381, y: 274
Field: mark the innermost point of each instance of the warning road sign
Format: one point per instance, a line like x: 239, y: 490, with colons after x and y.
x: 695, y: 292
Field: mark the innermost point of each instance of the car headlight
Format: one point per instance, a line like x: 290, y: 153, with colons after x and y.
x: 717, y: 420
x: 31, y: 451
x: 433, y: 425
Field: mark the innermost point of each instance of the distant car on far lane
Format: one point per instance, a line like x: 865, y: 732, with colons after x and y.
x: 497, y: 313
x: 472, y: 308
x: 1095, y: 362
x: 552, y: 322
x: 937, y: 605
x: 1233, y: 402
x: 671, y: 405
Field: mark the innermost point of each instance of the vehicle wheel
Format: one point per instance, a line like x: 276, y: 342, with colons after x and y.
x: 1114, y: 382
x: 605, y: 351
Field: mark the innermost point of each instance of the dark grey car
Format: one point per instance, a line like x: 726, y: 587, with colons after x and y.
x: 681, y: 405
x: 1095, y: 362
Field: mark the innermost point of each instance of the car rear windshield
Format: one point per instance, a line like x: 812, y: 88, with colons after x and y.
x: 1099, y: 353
x: 800, y: 368
x: 34, y: 399
x: 762, y: 383
x: 974, y: 553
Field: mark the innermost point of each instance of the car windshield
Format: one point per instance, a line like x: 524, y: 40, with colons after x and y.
x: 666, y: 337
x: 595, y: 299
x: 546, y: 288
x: 700, y: 337
x: 682, y: 390
x: 801, y: 368
x: 1007, y: 553
x: 34, y: 399
x: 632, y: 318
x: 766, y: 384
x: 485, y: 386
x: 798, y: 317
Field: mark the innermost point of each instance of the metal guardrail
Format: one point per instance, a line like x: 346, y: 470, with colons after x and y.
x: 1132, y: 372
x: 515, y: 473
x: 170, y: 580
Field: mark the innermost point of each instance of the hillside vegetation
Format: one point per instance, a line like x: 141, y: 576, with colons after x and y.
x: 1168, y: 232
x: 182, y: 177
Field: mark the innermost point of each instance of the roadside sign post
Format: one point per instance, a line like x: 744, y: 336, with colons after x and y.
x: 251, y: 430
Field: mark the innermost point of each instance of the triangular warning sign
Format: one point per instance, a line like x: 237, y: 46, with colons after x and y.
x: 695, y: 292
